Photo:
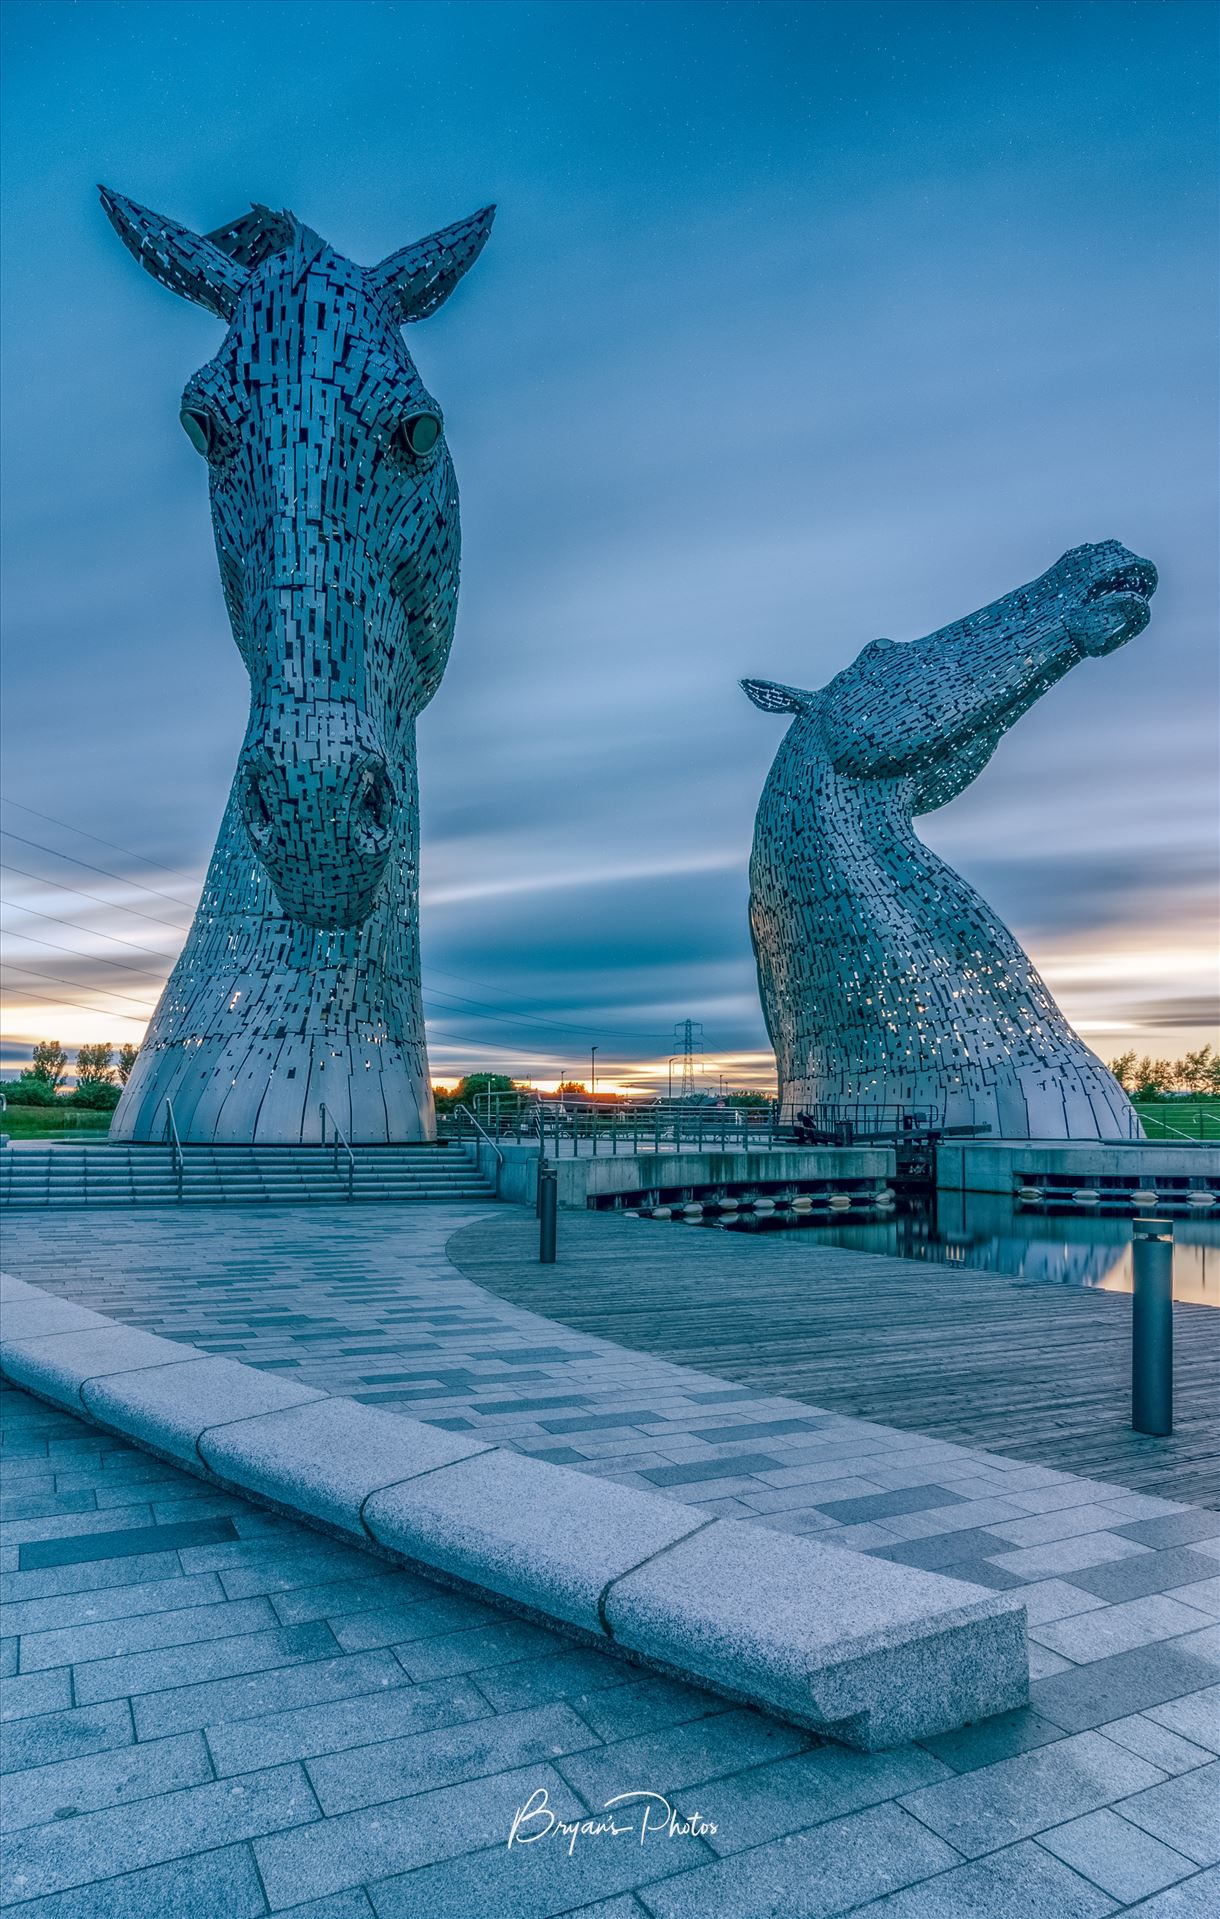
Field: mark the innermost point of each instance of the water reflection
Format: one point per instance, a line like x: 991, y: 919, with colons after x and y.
x: 986, y: 1230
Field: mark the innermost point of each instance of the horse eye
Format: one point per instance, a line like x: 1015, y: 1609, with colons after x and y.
x: 200, y: 429
x: 419, y: 434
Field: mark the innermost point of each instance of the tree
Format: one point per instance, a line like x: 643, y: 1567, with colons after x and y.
x: 94, y: 1066
x: 126, y: 1060
x: 571, y: 1086
x: 1123, y: 1069
x: 50, y: 1063
x: 1152, y: 1077
x: 1194, y: 1072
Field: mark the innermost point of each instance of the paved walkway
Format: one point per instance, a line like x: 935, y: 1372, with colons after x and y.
x: 1038, y: 1371
x: 1090, y: 1802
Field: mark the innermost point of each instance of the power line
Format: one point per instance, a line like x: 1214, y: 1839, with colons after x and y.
x: 100, y: 1011
x: 105, y: 871
x: 31, y: 972
x: 94, y: 959
x: 79, y: 893
x: 173, y: 871
x: 94, y: 932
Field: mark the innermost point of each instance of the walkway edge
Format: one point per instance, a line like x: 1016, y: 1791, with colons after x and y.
x: 866, y: 1651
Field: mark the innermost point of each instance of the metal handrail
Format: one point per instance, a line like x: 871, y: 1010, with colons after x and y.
x: 481, y: 1130
x: 169, y: 1132
x: 341, y: 1140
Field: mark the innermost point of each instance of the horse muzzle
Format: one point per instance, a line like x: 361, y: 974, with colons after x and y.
x: 321, y: 815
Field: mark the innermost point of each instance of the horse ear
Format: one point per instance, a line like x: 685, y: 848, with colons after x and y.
x: 185, y: 262
x: 418, y: 279
x: 777, y: 699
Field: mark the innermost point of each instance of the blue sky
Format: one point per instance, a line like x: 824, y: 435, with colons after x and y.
x: 799, y: 324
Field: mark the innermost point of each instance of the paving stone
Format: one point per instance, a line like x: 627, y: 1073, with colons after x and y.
x: 1196, y: 1716
x: 423, y: 1761
x: 1184, y: 1528
x: 436, y: 1613
x: 1021, y: 1882
x: 1138, y: 1622
x: 1157, y: 1744
x: 738, y: 1466
x: 104, y: 1779
x: 35, y: 1693
x: 539, y: 1877
x: 353, y: 1904
x: 1184, y: 1812
x: 1064, y: 1557
x: 748, y: 1808
x: 681, y: 1756
x: 1203, y: 1593
x: 985, y: 1744
x: 220, y: 1882
x: 74, y: 1852
x: 1117, y: 1856
x: 341, y: 1599
x: 558, y: 1675
x: 191, y: 1707
x: 92, y: 1576
x: 1148, y: 1572
x: 54, y: 1736
x: 1196, y: 1898
x: 979, y: 1812
x: 1050, y: 1599
x: 361, y: 1847
x: 944, y: 1551
x: 339, y: 1725
x: 110, y: 1638
x: 806, y: 1875
x: 123, y: 1544
x: 906, y: 1499
x: 1112, y: 1688
x: 648, y: 1705
x: 472, y: 1651
x: 177, y: 1666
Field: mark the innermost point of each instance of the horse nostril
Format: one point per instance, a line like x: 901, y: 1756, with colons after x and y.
x: 256, y: 809
x: 375, y: 800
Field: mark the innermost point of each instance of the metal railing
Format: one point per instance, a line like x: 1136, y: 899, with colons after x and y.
x: 341, y: 1141
x: 169, y: 1133
x: 480, y: 1130
x: 571, y: 1128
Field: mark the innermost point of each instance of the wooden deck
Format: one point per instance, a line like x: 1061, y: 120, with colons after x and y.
x: 1038, y: 1371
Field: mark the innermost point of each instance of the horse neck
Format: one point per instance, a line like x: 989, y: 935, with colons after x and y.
x: 874, y: 878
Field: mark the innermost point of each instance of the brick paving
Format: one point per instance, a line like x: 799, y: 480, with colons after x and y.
x: 216, y: 1710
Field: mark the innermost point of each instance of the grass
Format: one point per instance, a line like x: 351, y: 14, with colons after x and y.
x: 1172, y: 1119
x: 45, y: 1122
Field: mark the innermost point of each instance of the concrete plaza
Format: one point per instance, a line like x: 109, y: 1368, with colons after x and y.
x: 216, y: 1709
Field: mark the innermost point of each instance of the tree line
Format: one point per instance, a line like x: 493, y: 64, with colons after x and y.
x: 1149, y: 1078
x: 102, y: 1071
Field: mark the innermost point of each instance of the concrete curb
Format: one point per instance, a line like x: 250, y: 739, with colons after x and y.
x: 869, y: 1652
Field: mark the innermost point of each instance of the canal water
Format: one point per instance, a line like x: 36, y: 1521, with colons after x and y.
x: 987, y: 1230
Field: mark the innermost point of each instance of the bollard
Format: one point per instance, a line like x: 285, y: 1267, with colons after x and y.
x: 1152, y: 1327
x: 548, y: 1205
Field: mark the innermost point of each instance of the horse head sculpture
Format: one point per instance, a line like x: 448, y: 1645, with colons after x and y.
x: 885, y: 979
x: 335, y: 513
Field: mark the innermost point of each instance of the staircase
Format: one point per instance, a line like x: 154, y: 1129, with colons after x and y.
x: 103, y: 1175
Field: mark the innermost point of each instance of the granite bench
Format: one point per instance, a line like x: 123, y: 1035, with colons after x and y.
x: 865, y: 1651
